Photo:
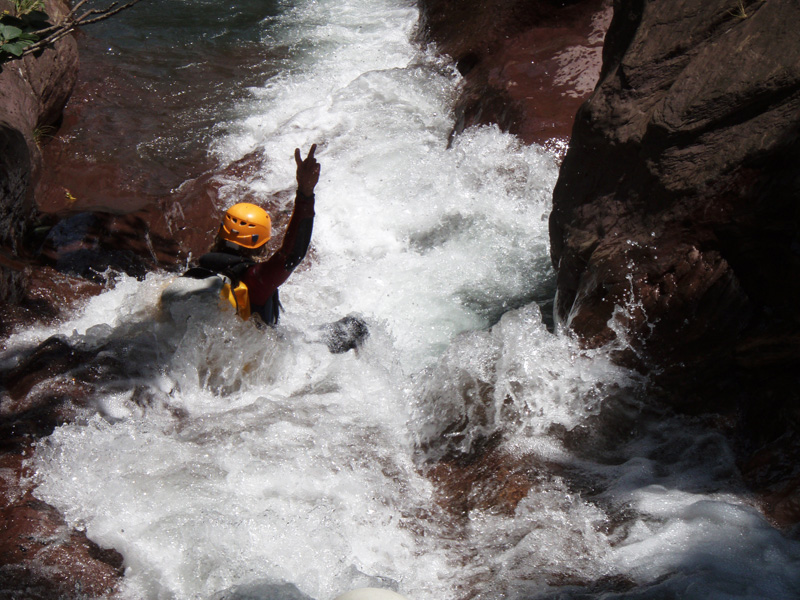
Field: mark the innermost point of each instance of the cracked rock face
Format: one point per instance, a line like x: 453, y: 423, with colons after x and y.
x: 675, y: 214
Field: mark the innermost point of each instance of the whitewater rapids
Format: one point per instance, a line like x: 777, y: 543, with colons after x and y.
x: 229, y: 462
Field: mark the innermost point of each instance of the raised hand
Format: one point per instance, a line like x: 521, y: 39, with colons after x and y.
x: 307, y: 171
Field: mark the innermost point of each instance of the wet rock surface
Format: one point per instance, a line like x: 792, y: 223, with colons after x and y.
x: 41, y: 556
x: 33, y: 91
x: 527, y: 66
x: 674, y: 226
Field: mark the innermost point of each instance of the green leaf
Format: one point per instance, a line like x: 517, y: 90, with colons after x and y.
x: 16, y: 48
x: 9, y: 32
x: 29, y: 37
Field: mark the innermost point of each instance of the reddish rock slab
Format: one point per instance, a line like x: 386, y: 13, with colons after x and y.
x: 34, y: 89
x: 41, y: 557
x: 162, y: 233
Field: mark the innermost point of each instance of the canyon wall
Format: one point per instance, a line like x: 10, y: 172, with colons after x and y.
x: 675, y: 221
x: 674, y: 230
x: 678, y: 197
x: 33, y: 92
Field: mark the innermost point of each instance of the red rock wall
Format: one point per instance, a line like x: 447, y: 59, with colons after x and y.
x: 33, y: 91
x: 679, y: 200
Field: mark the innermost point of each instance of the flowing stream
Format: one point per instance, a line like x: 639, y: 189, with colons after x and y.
x: 227, y: 462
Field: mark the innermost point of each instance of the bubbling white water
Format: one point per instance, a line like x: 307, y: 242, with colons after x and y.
x: 229, y: 462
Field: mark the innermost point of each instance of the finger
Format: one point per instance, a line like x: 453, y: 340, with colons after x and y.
x: 298, y: 157
x: 311, y: 152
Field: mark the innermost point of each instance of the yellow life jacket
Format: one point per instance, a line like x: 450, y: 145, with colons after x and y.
x: 238, y: 297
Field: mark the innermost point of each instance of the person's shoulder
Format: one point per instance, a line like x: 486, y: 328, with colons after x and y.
x: 199, y: 273
x: 221, y: 261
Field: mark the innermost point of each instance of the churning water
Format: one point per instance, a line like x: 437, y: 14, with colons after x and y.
x: 224, y: 461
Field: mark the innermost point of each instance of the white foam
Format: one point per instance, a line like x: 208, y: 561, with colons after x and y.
x: 230, y: 462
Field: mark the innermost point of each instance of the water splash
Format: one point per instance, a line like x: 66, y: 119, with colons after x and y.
x: 229, y: 462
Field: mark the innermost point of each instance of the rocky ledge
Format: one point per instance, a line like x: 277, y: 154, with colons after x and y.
x: 40, y: 555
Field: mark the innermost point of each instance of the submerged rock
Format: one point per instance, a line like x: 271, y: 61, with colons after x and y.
x: 348, y: 333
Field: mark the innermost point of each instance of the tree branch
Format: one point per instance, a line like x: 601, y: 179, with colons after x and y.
x: 70, y: 23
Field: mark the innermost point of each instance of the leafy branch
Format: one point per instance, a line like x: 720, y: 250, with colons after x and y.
x: 14, y: 40
x: 29, y: 31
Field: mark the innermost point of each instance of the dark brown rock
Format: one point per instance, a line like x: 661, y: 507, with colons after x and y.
x: 675, y: 222
x: 678, y: 196
x: 527, y: 65
x: 47, y: 296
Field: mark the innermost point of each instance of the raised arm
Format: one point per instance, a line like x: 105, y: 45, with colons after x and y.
x: 307, y: 171
x: 264, y: 278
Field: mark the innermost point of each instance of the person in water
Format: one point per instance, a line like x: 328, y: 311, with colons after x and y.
x: 253, y: 285
x: 241, y: 239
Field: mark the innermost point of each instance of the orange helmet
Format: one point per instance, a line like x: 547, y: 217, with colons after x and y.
x: 247, y: 225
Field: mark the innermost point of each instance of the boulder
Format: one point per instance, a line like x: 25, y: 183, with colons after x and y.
x: 674, y: 228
